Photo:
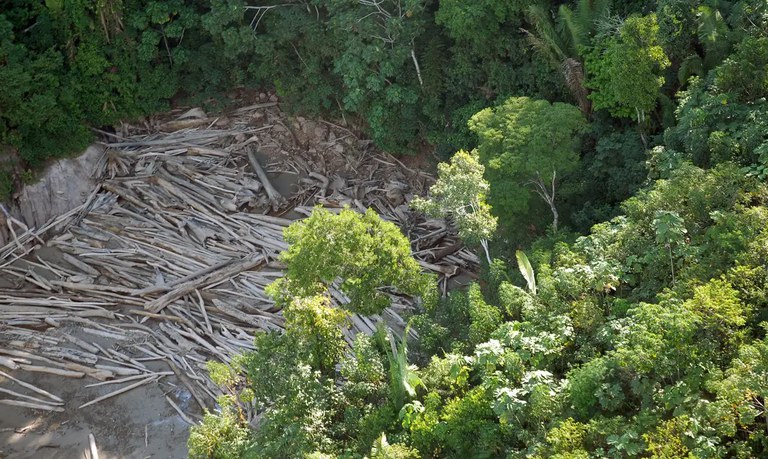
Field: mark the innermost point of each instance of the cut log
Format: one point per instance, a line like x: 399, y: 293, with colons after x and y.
x: 229, y: 271
x: 274, y: 196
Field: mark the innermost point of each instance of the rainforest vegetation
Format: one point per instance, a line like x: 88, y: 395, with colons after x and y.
x: 606, y: 159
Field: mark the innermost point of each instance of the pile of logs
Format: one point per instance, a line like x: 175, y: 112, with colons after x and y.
x: 168, y: 258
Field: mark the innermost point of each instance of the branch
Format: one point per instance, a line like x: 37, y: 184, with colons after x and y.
x: 416, y: 64
x: 554, y: 177
x: 377, y: 5
x: 260, y: 12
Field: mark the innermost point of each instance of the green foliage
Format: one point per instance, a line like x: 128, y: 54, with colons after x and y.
x: 403, y: 378
x: 524, y: 142
x: 625, y: 68
x: 610, y: 173
x: 460, y: 191
x: 219, y: 436
x: 526, y: 270
x: 715, y: 125
x: 744, y: 75
x: 670, y: 230
x: 362, y: 251
x: 610, y: 356
x: 667, y: 441
x: 316, y: 328
x: 444, y: 327
x: 484, y: 318
x: 562, y: 43
x: 383, y: 450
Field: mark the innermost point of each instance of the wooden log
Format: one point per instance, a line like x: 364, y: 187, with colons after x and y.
x: 274, y: 196
x: 119, y: 391
x: 94, y: 287
x: 31, y: 387
x: 79, y: 264
x: 78, y: 342
x: 53, y: 371
x: 120, y: 371
x: 34, y: 406
x: 178, y: 410
x: 231, y: 270
x: 8, y: 363
x: 32, y: 399
x: 189, y: 384
x: 92, y: 444
x: 131, y: 378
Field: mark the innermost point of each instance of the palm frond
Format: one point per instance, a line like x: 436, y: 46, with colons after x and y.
x: 573, y: 73
x: 526, y: 270
x: 545, y: 39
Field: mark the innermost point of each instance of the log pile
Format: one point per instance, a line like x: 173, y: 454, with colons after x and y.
x: 168, y: 258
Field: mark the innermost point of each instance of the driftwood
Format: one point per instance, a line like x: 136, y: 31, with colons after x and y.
x: 34, y: 406
x: 31, y: 387
x: 32, y: 399
x: 230, y: 270
x: 168, y: 258
x: 119, y: 391
x: 8, y: 363
x: 274, y: 196
x: 92, y: 445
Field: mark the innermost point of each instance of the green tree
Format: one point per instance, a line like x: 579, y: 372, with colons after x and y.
x: 624, y: 68
x: 670, y: 231
x: 525, y: 144
x: 316, y: 327
x: 460, y: 191
x: 361, y: 253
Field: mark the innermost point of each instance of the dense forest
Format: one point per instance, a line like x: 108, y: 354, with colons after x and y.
x: 606, y: 159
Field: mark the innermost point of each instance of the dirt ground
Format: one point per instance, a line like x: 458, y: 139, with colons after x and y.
x: 137, y: 424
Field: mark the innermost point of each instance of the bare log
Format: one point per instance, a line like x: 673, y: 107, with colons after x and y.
x: 274, y: 196
x: 31, y: 387
x: 34, y: 406
x: 231, y: 270
x: 119, y: 391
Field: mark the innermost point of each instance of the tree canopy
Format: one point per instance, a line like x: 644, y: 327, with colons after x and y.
x: 637, y: 327
x: 525, y: 145
x: 359, y: 254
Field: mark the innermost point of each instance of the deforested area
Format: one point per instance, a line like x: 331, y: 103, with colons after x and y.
x: 384, y: 229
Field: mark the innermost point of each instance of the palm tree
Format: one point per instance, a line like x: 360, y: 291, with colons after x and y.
x: 561, y: 38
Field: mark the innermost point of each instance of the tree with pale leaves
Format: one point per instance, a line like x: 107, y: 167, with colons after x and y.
x: 460, y: 192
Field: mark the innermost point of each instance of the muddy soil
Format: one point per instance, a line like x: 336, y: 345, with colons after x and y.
x: 137, y: 424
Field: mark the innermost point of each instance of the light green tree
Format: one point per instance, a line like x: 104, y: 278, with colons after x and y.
x: 360, y: 253
x: 460, y: 191
x: 525, y: 144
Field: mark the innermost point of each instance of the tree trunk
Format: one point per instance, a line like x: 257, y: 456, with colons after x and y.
x: 484, y: 243
x: 548, y: 195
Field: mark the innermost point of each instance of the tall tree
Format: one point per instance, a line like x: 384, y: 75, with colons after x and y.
x: 360, y: 253
x: 625, y: 68
x: 525, y: 144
